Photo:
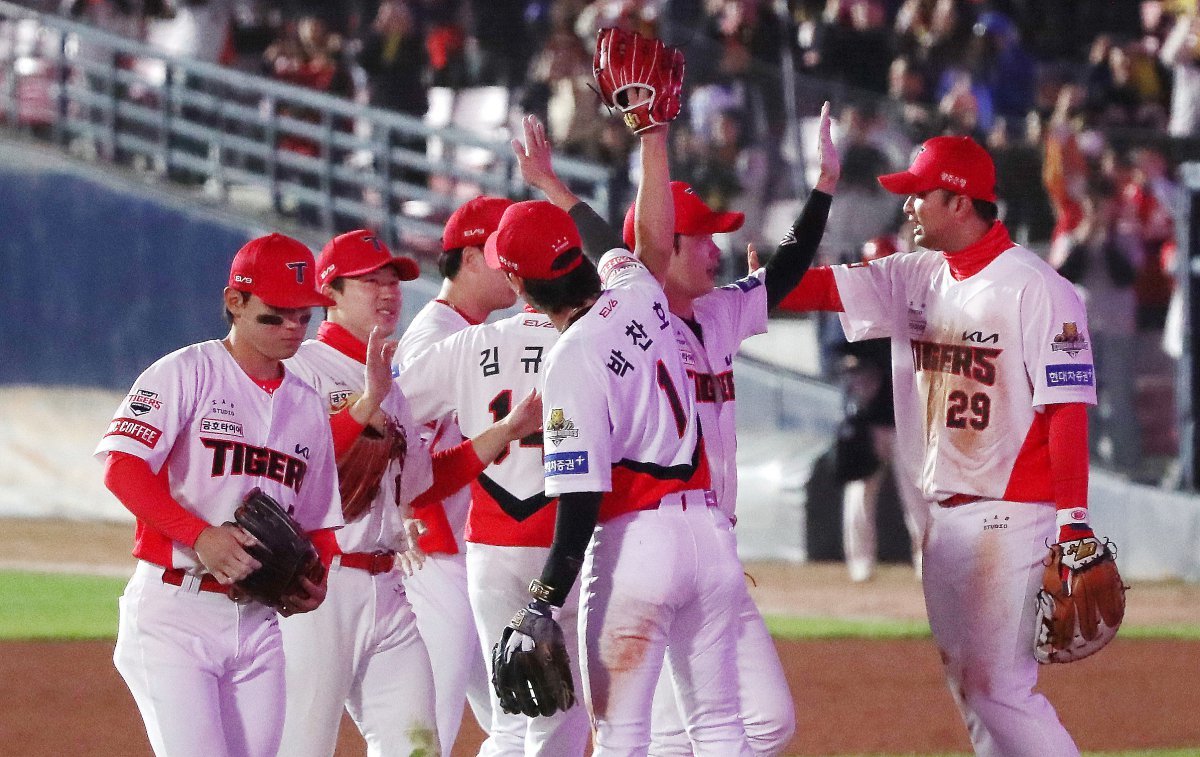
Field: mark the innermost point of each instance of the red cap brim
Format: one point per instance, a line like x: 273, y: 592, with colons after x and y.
x: 721, y: 223
x: 406, y: 268
x: 905, y: 183
x: 491, y: 255
x: 300, y: 300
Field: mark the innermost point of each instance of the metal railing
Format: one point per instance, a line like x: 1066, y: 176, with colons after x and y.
x: 333, y: 163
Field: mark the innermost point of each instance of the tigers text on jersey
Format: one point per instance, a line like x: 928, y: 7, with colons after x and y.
x: 219, y: 436
x: 493, y: 367
x: 617, y: 413
x: 431, y: 324
x: 972, y: 360
x: 339, y: 379
x: 727, y: 316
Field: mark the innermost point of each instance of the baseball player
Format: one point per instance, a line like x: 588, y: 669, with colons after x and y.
x: 470, y: 292
x: 362, y: 648
x: 510, y: 523
x: 992, y: 372
x: 623, y: 453
x: 199, y: 429
x: 713, y: 323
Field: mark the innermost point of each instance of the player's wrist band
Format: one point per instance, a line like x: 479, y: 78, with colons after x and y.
x: 1071, y: 516
x: 540, y: 591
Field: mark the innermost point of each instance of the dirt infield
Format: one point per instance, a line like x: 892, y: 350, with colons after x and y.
x: 852, y: 696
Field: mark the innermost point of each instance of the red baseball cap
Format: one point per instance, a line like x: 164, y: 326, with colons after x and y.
x: 693, y: 217
x: 956, y: 164
x: 360, y: 252
x: 473, y: 222
x: 280, y: 271
x: 535, y: 240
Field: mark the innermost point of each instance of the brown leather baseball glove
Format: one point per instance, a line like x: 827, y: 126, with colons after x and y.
x: 1081, y: 603
x: 361, y: 467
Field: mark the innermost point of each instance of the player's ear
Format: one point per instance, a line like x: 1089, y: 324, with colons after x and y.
x: 517, y: 283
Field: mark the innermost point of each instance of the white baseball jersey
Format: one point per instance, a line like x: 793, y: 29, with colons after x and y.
x: 220, y: 435
x: 973, y: 361
x: 607, y: 426
x: 339, y: 379
x: 494, y: 366
x: 433, y: 323
x: 726, y: 316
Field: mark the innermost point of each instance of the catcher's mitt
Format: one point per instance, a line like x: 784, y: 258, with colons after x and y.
x: 1081, y: 603
x: 639, y: 76
x: 284, y: 550
x: 361, y: 467
x: 530, y: 671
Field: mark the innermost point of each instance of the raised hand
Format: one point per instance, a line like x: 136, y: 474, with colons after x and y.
x: 827, y: 155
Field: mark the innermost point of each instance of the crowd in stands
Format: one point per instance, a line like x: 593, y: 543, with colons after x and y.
x: 1088, y: 107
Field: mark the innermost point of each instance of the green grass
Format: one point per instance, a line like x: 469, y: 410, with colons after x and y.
x: 58, y: 606
x: 62, y: 606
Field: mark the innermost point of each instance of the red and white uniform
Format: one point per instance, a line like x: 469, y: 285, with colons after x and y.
x: 620, y: 419
x: 438, y: 591
x: 725, y: 318
x: 201, y: 667
x: 974, y: 363
x: 360, y: 649
x: 510, y: 523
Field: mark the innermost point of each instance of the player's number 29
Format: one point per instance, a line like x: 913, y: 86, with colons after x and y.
x: 965, y: 410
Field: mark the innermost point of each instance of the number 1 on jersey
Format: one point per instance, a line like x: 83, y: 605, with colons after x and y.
x: 500, y: 407
x: 668, y: 386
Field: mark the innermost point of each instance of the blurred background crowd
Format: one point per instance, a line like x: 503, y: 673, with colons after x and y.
x: 1088, y: 108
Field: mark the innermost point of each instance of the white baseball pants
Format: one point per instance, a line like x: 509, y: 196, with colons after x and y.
x: 438, y: 593
x: 498, y: 579
x: 765, y: 701
x: 662, y: 583
x: 206, y: 672
x: 359, y: 650
x: 983, y: 567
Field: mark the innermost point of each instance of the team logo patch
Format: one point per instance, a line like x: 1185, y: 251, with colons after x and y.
x: 1070, y: 375
x: 560, y: 427
x: 136, y: 430
x: 566, y: 463
x: 143, y: 401
x: 218, y: 426
x: 746, y: 284
x: 1069, y: 341
x: 609, y: 306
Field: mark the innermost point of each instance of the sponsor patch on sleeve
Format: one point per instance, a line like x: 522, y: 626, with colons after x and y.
x: 566, y: 463
x: 1070, y: 375
x: 746, y: 284
x: 136, y: 430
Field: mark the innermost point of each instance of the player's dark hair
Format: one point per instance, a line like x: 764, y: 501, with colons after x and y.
x: 568, y: 291
x: 337, y: 285
x: 449, y: 262
x: 229, y: 315
x: 986, y: 210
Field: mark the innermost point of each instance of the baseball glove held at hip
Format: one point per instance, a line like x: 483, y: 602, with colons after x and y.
x: 639, y: 76
x: 284, y: 550
x: 1081, y: 603
x: 530, y: 670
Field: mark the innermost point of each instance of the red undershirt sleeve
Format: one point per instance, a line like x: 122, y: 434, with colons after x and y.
x: 1069, y: 454
x: 816, y: 291
x: 453, y: 469
x: 345, y: 430
x: 148, y: 497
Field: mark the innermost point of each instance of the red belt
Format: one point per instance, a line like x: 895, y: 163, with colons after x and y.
x: 694, y: 497
x: 207, y: 582
x: 954, y: 500
x: 372, y: 562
